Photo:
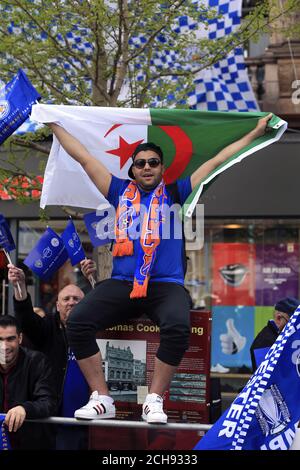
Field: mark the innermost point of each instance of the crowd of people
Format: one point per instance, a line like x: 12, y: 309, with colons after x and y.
x: 147, y: 278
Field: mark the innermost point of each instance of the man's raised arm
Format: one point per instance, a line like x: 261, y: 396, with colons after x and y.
x: 227, y: 152
x: 97, y: 172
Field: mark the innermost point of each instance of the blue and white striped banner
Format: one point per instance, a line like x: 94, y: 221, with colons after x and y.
x: 225, y: 85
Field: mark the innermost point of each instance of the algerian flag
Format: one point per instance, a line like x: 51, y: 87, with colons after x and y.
x: 187, y: 137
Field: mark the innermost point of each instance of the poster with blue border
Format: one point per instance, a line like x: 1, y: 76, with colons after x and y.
x: 232, y: 335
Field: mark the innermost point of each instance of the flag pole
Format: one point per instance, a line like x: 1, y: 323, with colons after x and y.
x: 91, y: 279
x: 10, y: 262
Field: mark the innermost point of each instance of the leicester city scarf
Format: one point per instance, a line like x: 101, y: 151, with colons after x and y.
x: 128, y: 211
x: 4, y: 441
x: 265, y: 414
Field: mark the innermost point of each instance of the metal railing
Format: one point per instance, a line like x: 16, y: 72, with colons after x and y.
x: 122, y: 423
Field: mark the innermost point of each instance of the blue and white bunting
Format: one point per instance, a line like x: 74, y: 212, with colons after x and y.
x: 16, y: 100
x: 224, y: 86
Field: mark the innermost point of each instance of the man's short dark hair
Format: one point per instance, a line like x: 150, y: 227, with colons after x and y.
x: 9, y: 320
x: 148, y: 146
x: 144, y: 147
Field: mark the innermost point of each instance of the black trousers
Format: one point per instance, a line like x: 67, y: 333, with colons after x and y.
x: 167, y: 304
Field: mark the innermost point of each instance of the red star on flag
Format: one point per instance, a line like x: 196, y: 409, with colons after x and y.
x: 125, y: 150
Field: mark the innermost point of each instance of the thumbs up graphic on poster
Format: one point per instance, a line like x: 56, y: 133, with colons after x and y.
x: 232, y: 342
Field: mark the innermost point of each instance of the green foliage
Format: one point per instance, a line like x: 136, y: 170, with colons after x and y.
x: 43, y: 48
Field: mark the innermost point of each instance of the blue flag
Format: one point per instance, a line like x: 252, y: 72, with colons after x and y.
x: 48, y: 255
x: 6, y: 240
x: 265, y: 414
x: 4, y: 440
x: 72, y: 243
x: 101, y: 228
x: 16, y: 100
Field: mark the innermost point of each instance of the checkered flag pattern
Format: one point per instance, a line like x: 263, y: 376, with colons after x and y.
x: 223, y: 87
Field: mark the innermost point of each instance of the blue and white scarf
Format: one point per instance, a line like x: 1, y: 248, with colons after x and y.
x: 265, y: 414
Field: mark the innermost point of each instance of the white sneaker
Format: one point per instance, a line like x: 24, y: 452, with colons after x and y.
x: 153, y: 409
x: 98, y: 407
x: 219, y: 369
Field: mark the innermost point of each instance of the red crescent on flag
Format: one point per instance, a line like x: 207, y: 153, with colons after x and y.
x: 125, y: 149
x: 112, y: 128
x: 183, y: 152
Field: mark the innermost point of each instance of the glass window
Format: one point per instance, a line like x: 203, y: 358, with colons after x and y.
x: 243, y: 269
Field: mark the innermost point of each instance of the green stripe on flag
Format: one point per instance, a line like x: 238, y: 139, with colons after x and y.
x: 176, y: 117
x: 189, y: 138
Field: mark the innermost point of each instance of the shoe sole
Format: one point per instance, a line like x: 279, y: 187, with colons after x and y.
x: 153, y: 421
x: 86, y: 418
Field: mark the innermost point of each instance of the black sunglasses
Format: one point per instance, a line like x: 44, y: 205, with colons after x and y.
x: 141, y: 163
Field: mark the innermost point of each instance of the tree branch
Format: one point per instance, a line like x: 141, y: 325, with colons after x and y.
x: 124, y: 38
x: 30, y: 144
x: 177, y: 5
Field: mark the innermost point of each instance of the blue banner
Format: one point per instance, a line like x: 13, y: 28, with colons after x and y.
x: 6, y: 240
x: 16, y: 100
x: 4, y: 440
x: 101, y: 228
x: 48, y: 255
x: 72, y: 243
x: 265, y: 414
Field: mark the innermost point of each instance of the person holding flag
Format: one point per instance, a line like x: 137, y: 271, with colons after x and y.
x: 48, y: 334
x: 151, y: 256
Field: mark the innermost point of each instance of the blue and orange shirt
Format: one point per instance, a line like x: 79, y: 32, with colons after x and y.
x: 168, y: 264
